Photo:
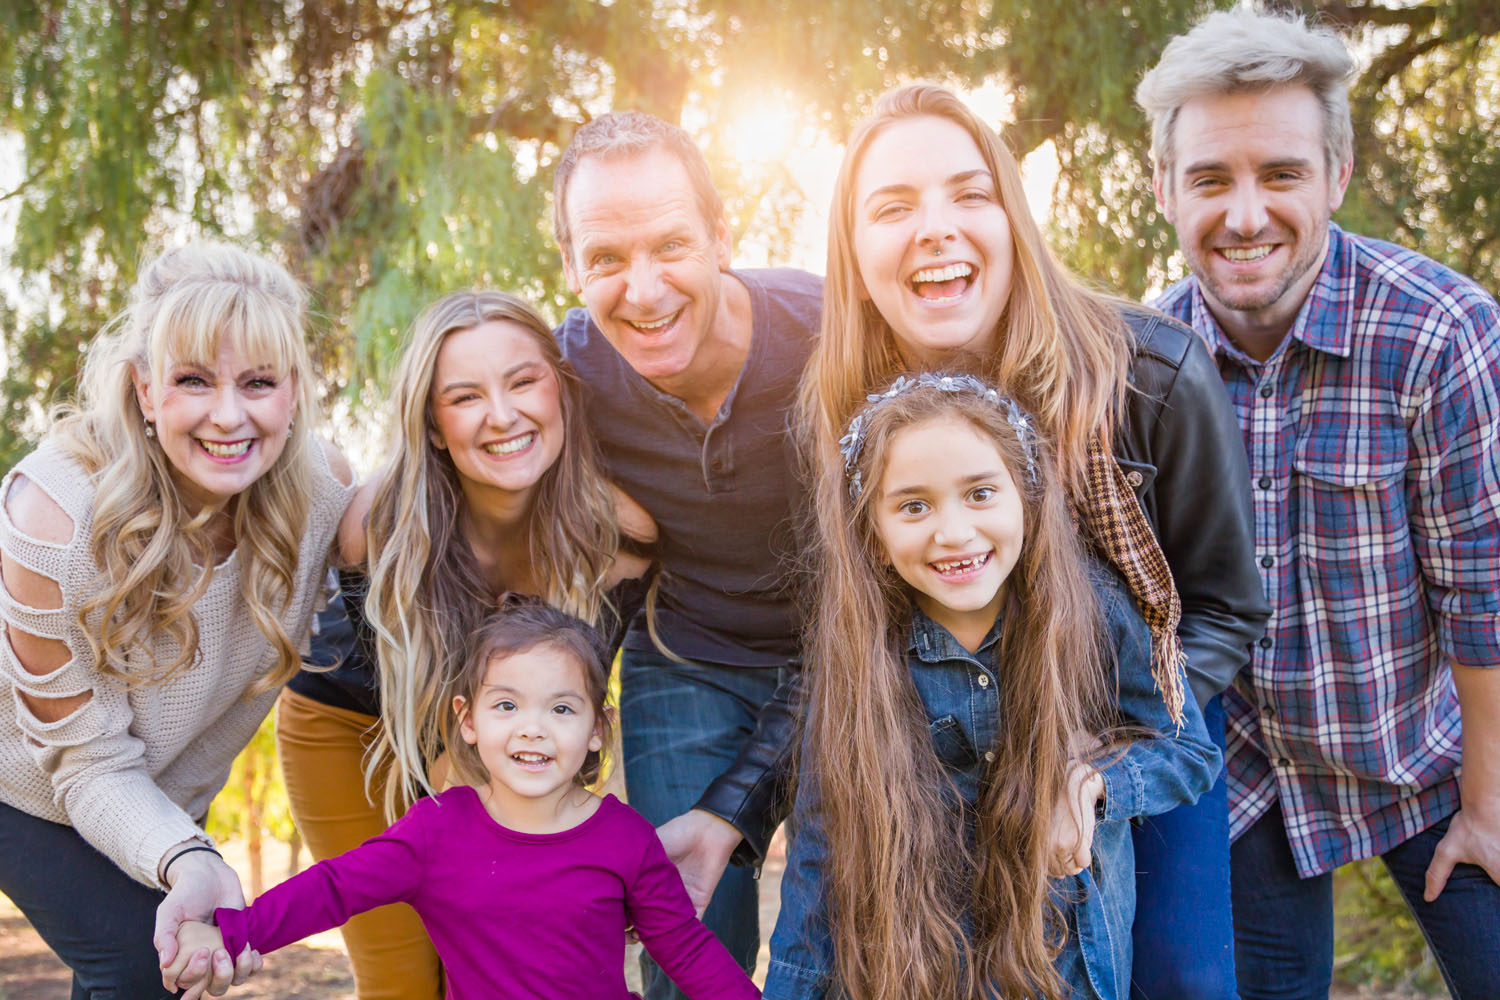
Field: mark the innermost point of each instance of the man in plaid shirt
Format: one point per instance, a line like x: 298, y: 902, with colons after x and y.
x: 1367, y: 382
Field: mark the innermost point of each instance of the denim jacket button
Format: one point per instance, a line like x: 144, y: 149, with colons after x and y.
x: 989, y: 755
x: 984, y: 680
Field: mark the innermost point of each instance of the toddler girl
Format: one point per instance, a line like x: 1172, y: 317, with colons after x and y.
x: 982, y: 723
x: 524, y: 879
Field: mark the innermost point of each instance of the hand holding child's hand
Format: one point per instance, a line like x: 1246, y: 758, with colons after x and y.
x: 1073, y: 821
x: 192, y: 969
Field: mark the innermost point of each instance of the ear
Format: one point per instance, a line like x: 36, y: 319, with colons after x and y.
x: 142, y: 392
x: 465, y: 724
x: 436, y: 439
x: 723, y: 243
x: 1163, y: 199
x: 1339, y: 183
x: 596, y: 741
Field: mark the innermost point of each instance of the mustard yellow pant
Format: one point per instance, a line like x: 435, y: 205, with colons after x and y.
x: 322, y: 752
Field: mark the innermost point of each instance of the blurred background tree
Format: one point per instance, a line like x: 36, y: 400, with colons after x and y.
x: 390, y: 150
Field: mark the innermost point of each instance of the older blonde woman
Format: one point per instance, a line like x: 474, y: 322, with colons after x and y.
x: 163, y: 548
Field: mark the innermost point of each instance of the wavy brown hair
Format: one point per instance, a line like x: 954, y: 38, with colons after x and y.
x: 916, y: 909
x: 427, y: 594
x: 156, y: 557
x: 1061, y: 350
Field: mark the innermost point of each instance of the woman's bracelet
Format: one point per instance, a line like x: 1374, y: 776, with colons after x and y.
x: 187, y: 850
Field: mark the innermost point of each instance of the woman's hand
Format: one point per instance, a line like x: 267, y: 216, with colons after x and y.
x: 200, y: 882
x: 1071, y: 849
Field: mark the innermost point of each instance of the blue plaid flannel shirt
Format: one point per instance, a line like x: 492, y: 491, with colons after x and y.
x: 1374, y: 442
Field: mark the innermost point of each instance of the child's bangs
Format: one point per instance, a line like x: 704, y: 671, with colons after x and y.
x: 198, y: 321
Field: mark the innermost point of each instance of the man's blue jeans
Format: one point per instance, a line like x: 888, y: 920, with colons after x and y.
x: 1283, y: 925
x: 95, y: 917
x: 1183, y: 931
x: 682, y: 724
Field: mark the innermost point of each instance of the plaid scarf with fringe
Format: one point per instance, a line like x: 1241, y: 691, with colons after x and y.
x: 1112, y: 514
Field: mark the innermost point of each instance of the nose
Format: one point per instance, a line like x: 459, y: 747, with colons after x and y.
x: 502, y: 412
x: 229, y: 409
x: 643, y: 282
x: 935, y: 225
x: 530, y: 726
x: 954, y: 527
x: 1246, y: 214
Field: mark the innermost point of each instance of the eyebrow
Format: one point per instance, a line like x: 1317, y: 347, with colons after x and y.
x: 505, y: 689
x: 472, y: 384
x: 1206, y: 166
x: 978, y: 477
x: 958, y: 178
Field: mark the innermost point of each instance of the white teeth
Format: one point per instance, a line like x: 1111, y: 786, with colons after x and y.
x: 512, y: 446
x: 530, y: 758
x: 947, y: 273
x: 653, y: 326
x: 1245, y: 254
x: 218, y: 450
x: 959, y: 565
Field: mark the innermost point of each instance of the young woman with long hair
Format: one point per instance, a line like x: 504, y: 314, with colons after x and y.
x: 164, y: 549
x: 982, y: 723
x: 934, y: 259
x: 492, y: 487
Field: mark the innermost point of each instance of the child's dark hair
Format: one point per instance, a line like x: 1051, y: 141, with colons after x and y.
x: 522, y: 624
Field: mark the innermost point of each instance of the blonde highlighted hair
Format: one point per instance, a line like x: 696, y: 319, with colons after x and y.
x: 918, y: 910
x: 427, y: 594
x: 151, y: 545
x: 1061, y: 350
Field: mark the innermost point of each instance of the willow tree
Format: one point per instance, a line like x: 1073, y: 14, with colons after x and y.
x: 389, y: 150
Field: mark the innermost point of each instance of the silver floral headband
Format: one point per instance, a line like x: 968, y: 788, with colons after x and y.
x: 853, y: 441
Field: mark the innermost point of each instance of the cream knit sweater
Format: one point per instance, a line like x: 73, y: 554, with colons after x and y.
x: 132, y: 766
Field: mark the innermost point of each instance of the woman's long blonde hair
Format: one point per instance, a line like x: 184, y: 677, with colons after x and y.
x: 918, y: 910
x: 1061, y: 350
x: 426, y: 593
x: 156, y: 557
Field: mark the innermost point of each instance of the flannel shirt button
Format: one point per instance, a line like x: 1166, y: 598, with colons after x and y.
x: 1266, y: 392
x: 1268, y: 561
x: 1269, y: 710
x: 1265, y: 482
x: 1265, y: 642
x: 1283, y: 762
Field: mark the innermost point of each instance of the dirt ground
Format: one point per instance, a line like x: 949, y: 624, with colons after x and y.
x: 319, y: 970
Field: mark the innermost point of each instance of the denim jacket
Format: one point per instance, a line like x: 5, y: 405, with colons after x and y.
x: 961, y: 695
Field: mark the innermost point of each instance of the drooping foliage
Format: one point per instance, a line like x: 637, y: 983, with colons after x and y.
x: 390, y: 150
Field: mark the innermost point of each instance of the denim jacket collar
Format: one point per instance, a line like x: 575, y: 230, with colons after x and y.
x: 930, y: 642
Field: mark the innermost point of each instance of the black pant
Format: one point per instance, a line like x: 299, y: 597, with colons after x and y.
x: 95, y: 917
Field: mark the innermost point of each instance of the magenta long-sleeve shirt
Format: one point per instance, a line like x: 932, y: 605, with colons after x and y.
x: 513, y: 915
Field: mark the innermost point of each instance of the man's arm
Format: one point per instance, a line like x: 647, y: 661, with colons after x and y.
x: 1474, y: 831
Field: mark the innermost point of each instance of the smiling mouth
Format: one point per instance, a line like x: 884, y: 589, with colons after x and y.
x: 531, y: 760
x: 226, y: 449
x: 654, y: 325
x: 1247, y: 255
x: 961, y: 567
x: 515, y: 444
x: 941, y: 284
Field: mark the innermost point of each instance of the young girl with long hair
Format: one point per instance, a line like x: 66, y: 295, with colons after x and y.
x: 526, y: 879
x: 982, y: 723
x: 935, y: 260
x: 164, y: 550
x: 493, y: 487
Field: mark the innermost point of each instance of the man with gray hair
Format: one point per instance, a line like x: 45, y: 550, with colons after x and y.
x: 1367, y: 382
x: 692, y: 368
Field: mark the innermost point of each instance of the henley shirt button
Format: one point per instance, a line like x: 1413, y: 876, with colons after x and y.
x: 1265, y: 642
x: 717, y: 466
x: 1266, y: 392
x: 1265, y: 482
x: 1268, y: 561
x: 984, y: 680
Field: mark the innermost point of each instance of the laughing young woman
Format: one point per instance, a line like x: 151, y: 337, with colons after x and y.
x: 935, y: 261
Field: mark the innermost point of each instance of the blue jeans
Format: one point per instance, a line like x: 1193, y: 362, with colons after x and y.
x: 1184, y: 926
x: 1283, y: 925
x: 681, y: 726
x: 95, y: 917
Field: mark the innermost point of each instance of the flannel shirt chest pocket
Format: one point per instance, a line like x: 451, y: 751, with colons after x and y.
x: 1349, y: 492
